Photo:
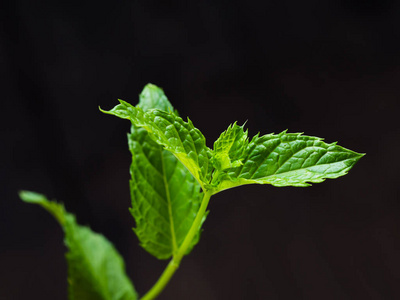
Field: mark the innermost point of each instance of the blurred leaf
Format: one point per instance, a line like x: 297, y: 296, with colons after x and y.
x: 95, y: 269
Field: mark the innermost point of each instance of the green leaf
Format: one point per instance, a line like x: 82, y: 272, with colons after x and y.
x: 288, y: 159
x: 153, y: 97
x: 165, y: 196
x: 181, y: 138
x: 229, y: 149
x: 95, y: 269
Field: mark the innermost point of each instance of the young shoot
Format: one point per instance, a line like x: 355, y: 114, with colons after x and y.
x: 173, y: 176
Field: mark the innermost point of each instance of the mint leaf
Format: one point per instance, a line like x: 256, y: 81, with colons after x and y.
x: 153, y: 97
x: 181, y: 138
x: 165, y: 196
x: 230, y: 148
x: 95, y: 269
x: 288, y: 159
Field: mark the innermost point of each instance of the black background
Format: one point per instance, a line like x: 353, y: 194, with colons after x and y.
x: 326, y: 68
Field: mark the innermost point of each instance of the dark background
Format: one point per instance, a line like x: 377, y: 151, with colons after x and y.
x: 326, y: 68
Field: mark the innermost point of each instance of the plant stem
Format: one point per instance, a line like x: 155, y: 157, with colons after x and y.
x: 173, y: 265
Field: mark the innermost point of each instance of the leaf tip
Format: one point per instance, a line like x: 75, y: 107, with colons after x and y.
x: 102, y: 110
x: 360, y: 155
x: 122, y: 102
x: 152, y: 86
x: 31, y: 197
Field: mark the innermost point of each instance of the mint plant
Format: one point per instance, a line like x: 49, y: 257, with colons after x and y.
x: 173, y: 176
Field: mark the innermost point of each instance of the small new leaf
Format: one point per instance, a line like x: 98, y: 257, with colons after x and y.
x: 153, y: 97
x: 288, y: 159
x: 96, y: 271
x: 230, y: 148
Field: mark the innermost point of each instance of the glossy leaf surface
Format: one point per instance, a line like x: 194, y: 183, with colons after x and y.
x: 288, y: 159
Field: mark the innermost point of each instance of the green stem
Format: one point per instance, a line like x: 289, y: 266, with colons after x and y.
x: 173, y: 265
